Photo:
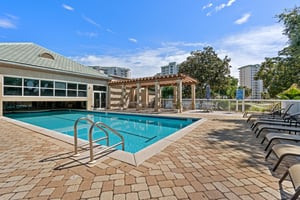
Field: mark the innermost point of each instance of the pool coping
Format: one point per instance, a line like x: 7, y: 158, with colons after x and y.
x: 130, y: 158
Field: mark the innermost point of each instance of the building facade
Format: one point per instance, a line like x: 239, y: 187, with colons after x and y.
x: 171, y: 68
x: 114, y: 71
x: 247, y: 74
x: 34, y: 78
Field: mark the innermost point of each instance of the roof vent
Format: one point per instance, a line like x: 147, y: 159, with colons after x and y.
x: 46, y: 55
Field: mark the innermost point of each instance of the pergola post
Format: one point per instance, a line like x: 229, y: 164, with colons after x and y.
x: 193, y: 104
x: 108, y: 106
x: 123, y: 94
x: 157, y: 97
x: 174, y: 96
x: 146, y: 97
x: 179, y: 95
x: 138, y: 96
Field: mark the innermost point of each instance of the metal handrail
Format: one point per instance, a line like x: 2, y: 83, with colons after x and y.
x: 76, y: 133
x: 103, y: 126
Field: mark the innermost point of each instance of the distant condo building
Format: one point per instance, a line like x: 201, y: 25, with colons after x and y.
x: 172, y: 68
x: 247, y: 74
x: 114, y: 71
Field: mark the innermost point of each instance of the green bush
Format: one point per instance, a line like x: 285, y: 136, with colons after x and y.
x: 292, y: 93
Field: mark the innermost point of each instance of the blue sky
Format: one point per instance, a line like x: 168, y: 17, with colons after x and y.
x: 144, y: 35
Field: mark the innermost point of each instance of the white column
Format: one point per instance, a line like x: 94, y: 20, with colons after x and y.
x: 179, y: 95
x: 174, y: 97
x: 108, y: 106
x: 157, y: 97
x: 193, y: 88
x: 123, y: 94
x: 138, y: 96
x: 90, y: 97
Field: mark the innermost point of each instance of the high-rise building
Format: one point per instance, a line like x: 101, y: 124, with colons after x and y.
x: 247, y: 74
x: 114, y: 71
x: 172, y: 68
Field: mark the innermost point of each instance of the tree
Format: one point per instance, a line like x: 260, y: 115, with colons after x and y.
x: 167, y: 92
x: 279, y: 73
x: 207, y: 68
x: 230, y: 90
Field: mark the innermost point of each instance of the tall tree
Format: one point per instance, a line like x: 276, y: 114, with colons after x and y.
x: 207, y: 68
x: 280, y: 72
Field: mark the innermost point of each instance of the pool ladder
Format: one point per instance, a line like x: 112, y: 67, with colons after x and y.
x: 105, y: 128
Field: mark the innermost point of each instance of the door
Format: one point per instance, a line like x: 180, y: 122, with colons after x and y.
x: 99, y: 100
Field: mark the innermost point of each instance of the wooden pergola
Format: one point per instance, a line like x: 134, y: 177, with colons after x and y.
x: 135, y: 85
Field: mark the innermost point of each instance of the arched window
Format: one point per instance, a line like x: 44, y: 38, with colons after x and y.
x: 47, y: 55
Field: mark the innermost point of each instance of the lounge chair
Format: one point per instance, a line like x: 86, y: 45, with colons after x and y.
x: 285, y: 128
x: 289, y: 120
x: 283, y: 150
x: 270, y: 137
x: 274, y: 109
x: 294, y: 173
x: 279, y: 114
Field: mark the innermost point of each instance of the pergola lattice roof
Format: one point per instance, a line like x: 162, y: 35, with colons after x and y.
x: 167, y: 80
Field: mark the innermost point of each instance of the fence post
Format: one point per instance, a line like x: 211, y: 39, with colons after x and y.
x: 243, y: 105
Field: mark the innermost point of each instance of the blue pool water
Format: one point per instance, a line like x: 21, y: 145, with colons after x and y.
x: 139, y: 131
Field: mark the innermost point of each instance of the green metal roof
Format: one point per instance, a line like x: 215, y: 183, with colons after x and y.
x: 32, y: 55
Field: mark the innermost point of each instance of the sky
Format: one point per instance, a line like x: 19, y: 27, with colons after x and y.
x: 144, y: 35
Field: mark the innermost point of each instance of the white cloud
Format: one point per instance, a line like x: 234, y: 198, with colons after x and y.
x: 220, y: 7
x: 133, y: 40
x: 230, y: 2
x: 243, y: 19
x: 223, y: 5
x: 67, y: 7
x: 8, y: 22
x: 250, y: 47
x: 253, y: 46
x: 87, y: 34
x: 207, y: 6
x: 146, y: 62
x: 89, y: 20
x: 184, y: 44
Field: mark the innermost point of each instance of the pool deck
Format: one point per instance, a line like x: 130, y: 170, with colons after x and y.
x: 218, y: 159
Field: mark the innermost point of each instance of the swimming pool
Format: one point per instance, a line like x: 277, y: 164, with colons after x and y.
x: 139, y: 131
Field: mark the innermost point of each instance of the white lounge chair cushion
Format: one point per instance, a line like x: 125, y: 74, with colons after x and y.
x: 286, y: 149
x: 294, y: 172
x: 272, y: 136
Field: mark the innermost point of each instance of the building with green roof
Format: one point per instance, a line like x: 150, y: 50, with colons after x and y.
x: 33, y: 77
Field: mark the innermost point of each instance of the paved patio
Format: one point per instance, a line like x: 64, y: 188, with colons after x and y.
x: 219, y: 159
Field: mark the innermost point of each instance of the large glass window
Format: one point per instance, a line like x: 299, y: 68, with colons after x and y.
x: 31, y: 87
x: 47, y: 88
x: 12, y: 86
x: 46, y: 84
x: 72, y: 89
x: 60, y: 89
x: 60, y: 85
x: 82, y: 90
x: 12, y: 81
x: 15, y: 91
x: 17, y: 86
x: 99, y: 88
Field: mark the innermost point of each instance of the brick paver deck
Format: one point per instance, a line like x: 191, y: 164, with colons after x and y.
x: 220, y: 159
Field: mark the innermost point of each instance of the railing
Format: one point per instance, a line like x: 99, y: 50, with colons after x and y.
x: 233, y: 104
x: 105, y: 128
